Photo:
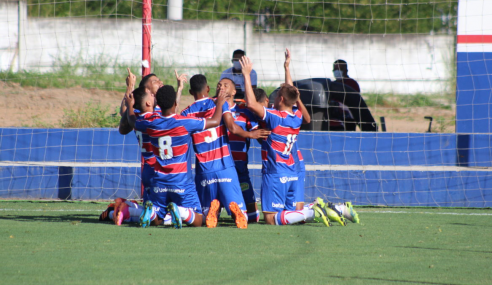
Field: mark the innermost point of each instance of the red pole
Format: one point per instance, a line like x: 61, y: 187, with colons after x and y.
x: 146, y: 36
x: 146, y: 44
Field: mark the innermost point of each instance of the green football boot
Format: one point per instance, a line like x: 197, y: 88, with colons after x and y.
x: 351, y: 214
x: 320, y: 215
x: 331, y: 212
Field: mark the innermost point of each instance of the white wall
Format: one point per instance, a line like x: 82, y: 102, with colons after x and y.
x: 381, y: 63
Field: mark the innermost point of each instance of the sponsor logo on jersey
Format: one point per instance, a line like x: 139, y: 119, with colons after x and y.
x: 244, y: 186
x: 277, y: 205
x: 171, y: 190
x: 206, y: 182
x: 286, y: 179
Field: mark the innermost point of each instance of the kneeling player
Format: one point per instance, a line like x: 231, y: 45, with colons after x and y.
x: 216, y: 178
x: 279, y: 179
x: 173, y: 189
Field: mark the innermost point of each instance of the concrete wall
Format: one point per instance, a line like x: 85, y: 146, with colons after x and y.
x: 381, y: 63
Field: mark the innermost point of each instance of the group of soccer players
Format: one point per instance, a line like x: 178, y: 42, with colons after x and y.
x: 219, y: 130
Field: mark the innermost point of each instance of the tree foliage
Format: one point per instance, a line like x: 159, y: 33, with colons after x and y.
x: 325, y: 16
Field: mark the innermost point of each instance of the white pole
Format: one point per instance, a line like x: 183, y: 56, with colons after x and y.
x: 175, y: 10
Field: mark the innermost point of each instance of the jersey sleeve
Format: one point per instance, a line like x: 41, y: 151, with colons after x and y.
x: 225, y: 108
x: 141, y: 125
x: 194, y: 124
x: 271, y: 119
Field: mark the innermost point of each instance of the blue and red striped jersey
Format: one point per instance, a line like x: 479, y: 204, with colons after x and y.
x: 298, y: 159
x: 245, y: 119
x: 211, y: 146
x: 142, y: 137
x: 170, y: 137
x: 276, y: 150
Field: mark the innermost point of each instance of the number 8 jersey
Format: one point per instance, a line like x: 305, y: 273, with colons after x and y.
x: 170, y: 137
x: 276, y: 149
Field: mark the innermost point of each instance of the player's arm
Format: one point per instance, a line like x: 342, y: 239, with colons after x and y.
x: 255, y: 107
x: 130, y: 114
x: 124, y: 127
x: 181, y: 81
x: 237, y: 130
x: 217, y: 117
x: 306, y: 118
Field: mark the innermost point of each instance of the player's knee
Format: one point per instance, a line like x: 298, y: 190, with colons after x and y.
x: 198, y: 220
x: 269, y: 218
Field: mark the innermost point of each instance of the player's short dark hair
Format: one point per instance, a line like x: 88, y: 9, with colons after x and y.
x: 238, y: 51
x: 139, y: 97
x: 290, y: 94
x: 198, y: 82
x: 260, y: 95
x: 230, y: 79
x: 166, y: 96
x: 144, y: 80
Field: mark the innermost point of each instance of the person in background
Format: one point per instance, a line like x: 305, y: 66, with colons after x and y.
x: 234, y: 73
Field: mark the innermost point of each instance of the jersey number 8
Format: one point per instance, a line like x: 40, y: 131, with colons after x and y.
x: 165, y: 149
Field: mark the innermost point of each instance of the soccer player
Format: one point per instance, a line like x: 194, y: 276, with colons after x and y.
x: 149, y: 84
x: 216, y: 178
x: 243, y: 118
x: 173, y: 189
x: 279, y: 179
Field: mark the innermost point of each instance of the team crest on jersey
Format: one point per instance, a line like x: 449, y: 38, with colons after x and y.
x: 244, y: 186
x: 286, y: 179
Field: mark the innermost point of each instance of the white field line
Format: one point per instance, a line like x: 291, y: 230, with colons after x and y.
x: 425, y: 213
x: 360, y: 211
x: 309, y: 167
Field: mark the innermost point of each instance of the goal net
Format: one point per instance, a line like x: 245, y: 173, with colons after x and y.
x: 413, y: 130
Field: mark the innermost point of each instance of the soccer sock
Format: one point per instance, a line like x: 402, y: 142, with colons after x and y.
x: 289, y: 217
x: 131, y: 204
x: 308, y: 213
x: 135, y: 212
x: 111, y: 215
x: 254, y: 216
x: 187, y: 215
x: 168, y: 220
x: 341, y: 208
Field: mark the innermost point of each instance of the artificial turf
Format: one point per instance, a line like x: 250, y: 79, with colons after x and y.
x: 64, y: 243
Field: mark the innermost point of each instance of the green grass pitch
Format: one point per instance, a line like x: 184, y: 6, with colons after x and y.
x: 63, y: 243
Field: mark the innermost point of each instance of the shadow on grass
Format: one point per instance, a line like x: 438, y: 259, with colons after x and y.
x: 82, y: 218
x: 444, y: 249
x: 387, y: 280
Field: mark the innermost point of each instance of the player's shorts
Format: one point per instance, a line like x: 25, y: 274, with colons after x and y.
x: 222, y: 185
x: 247, y: 188
x: 147, y: 174
x: 184, y: 195
x: 278, y: 192
x: 299, y: 193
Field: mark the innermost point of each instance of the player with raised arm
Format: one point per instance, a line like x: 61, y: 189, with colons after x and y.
x: 335, y: 213
x: 279, y: 174
x: 173, y: 189
x: 241, y: 117
x: 216, y: 178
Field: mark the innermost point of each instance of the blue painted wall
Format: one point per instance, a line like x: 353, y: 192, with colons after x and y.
x: 470, y: 187
x: 474, y: 92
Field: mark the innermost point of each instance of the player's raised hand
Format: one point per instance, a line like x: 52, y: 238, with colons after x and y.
x: 260, y: 134
x: 129, y: 100
x: 287, y: 57
x: 246, y: 65
x: 181, y: 79
x: 131, y: 78
x: 221, y: 98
